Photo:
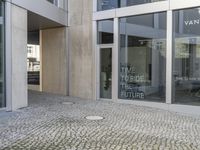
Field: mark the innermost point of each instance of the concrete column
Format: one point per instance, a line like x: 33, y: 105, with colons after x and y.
x: 54, y: 60
x: 16, y: 57
x: 82, y: 66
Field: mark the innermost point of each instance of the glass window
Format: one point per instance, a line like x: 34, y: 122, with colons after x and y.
x: 51, y: 1
x: 142, y: 57
x: 107, y: 4
x: 105, y: 31
x: 111, y: 4
x: 33, y: 64
x: 186, y: 56
x: 55, y: 2
x: 2, y: 92
x: 124, y: 3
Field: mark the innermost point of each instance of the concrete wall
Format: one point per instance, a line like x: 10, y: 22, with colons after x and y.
x: 81, y: 51
x: 43, y: 8
x: 19, y: 57
x: 54, y: 60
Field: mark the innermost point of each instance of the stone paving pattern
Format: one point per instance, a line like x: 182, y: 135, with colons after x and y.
x: 47, y: 124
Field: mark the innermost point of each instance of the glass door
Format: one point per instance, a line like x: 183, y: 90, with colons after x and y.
x: 105, y: 73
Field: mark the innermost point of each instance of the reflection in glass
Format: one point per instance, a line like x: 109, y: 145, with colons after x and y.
x: 106, y: 73
x: 53, y: 2
x: 142, y: 57
x: 2, y: 97
x: 60, y: 3
x: 186, y: 62
x: 124, y: 3
x: 112, y: 4
x: 105, y: 31
x: 33, y: 64
x: 107, y: 4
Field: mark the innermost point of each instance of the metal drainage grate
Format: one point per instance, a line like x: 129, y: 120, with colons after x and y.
x: 94, y: 118
x: 68, y: 103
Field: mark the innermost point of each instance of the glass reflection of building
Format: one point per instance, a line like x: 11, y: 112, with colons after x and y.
x: 142, y: 53
x: 186, y: 52
x: 2, y: 83
x: 105, y: 36
x: 142, y: 57
x: 111, y: 4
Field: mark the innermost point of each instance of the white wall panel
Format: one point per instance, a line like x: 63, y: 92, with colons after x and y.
x: 179, y: 4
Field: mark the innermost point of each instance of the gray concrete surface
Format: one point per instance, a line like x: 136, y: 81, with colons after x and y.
x: 47, y: 124
x: 81, y: 52
x: 54, y: 58
x: 45, y: 9
x: 19, y: 57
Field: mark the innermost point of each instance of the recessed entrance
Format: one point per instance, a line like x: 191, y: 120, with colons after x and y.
x: 46, y: 55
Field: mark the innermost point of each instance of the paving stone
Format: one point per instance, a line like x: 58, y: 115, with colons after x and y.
x: 47, y: 124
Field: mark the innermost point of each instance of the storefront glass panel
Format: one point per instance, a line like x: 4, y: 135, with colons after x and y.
x: 186, y: 56
x: 142, y: 57
x: 105, y: 31
x: 2, y: 97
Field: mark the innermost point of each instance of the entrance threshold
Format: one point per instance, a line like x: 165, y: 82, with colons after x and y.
x: 184, y: 109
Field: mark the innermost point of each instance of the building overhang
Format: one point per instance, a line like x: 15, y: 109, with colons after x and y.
x: 45, y: 9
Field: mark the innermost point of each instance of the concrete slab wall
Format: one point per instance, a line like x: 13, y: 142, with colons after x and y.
x: 80, y: 49
x: 43, y: 8
x: 19, y: 57
x: 54, y: 60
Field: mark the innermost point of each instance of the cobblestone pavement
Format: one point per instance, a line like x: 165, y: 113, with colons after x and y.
x: 47, y: 124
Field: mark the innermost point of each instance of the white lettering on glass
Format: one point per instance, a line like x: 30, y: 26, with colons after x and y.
x: 192, y: 22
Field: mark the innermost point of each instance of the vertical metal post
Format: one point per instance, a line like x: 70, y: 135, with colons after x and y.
x: 95, y: 60
x: 169, y: 57
x: 115, y: 63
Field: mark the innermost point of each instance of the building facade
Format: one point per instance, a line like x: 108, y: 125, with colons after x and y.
x: 26, y: 22
x: 145, y: 52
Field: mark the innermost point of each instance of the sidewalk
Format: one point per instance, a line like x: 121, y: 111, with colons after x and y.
x: 48, y: 124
